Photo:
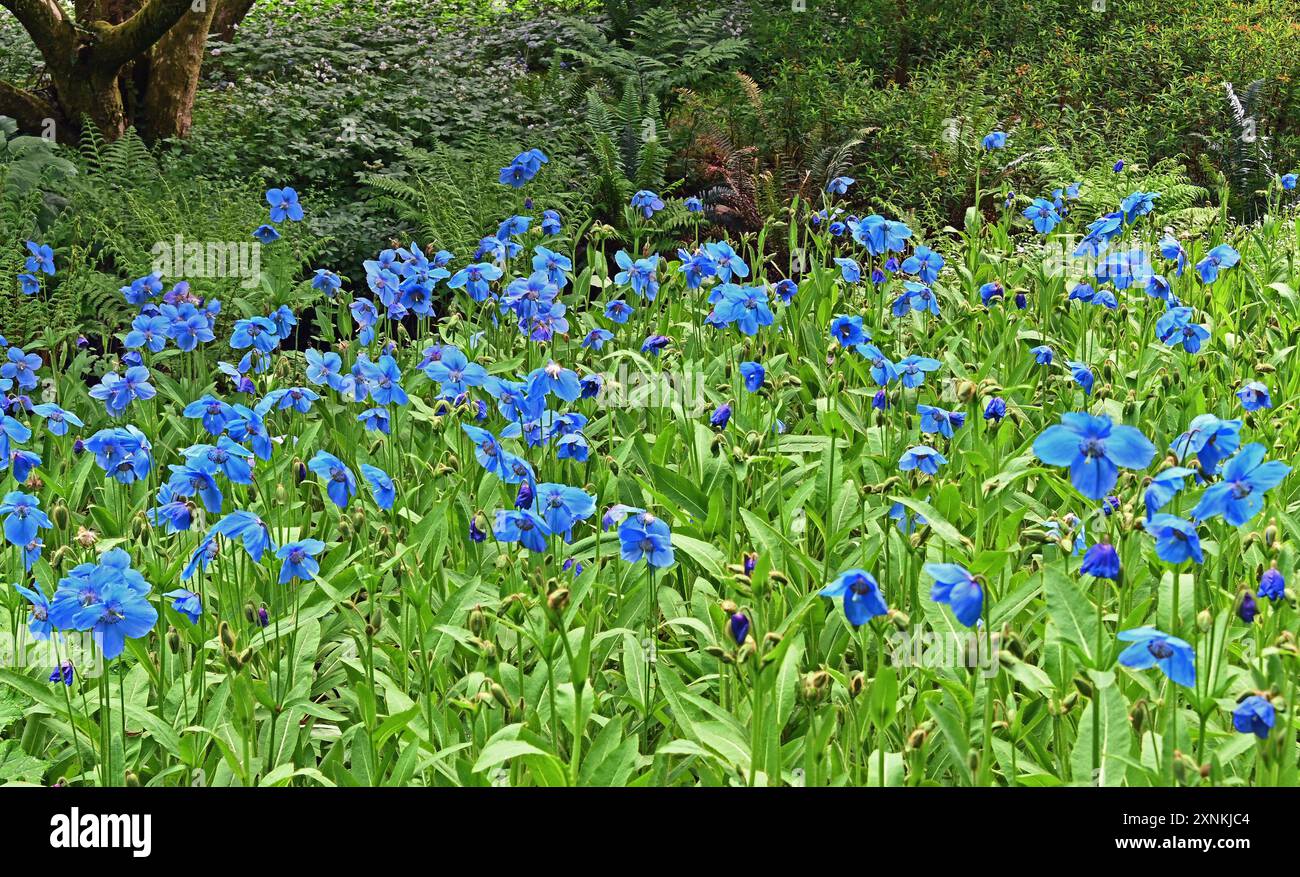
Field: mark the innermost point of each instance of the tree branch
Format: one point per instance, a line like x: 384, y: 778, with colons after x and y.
x: 28, y: 110
x: 44, y: 20
x: 120, y: 43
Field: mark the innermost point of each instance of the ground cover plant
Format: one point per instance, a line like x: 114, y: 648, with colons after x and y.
x: 895, y: 518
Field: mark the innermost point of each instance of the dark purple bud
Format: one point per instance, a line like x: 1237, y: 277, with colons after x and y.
x: 739, y: 628
x: 475, y: 534
x: 880, y: 401
x: 263, y: 617
x: 751, y: 560
x: 1021, y: 301
x: 721, y: 416
x: 78, y: 447
x: 524, y: 499
x: 528, y: 203
x: 83, y: 341
x: 1101, y: 561
x: 302, y: 471
x: 996, y: 409
x: 1247, y: 610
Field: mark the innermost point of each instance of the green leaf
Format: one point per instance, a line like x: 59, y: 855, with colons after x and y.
x: 18, y: 766
x: 1116, y: 740
x: 946, y: 532
x: 1074, y: 618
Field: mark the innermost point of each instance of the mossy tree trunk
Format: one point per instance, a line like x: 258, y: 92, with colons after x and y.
x: 116, y: 63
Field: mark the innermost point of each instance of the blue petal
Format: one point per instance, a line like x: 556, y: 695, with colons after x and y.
x: 1129, y: 448
x: 1057, y: 446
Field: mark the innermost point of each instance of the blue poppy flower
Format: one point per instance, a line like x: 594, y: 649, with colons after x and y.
x: 1082, y: 376
x: 23, y: 517
x: 937, y: 420
x: 654, y: 344
x: 284, y: 205
x: 861, y: 594
x: 121, y: 613
x: 187, y: 603
x: 197, y: 477
x: 326, y: 281
x: 1138, y: 204
x: 381, y: 485
x: 1219, y: 258
x: 1164, y: 487
x: 697, y: 266
x: 38, y: 611
x: 1253, y: 396
x: 148, y: 330
x: 753, y: 374
x: 1254, y: 715
x: 839, y: 185
x: 1094, y: 449
x: 298, y: 560
x: 882, y: 371
x: 475, y: 279
x: 905, y: 520
x: 212, y: 411
x: 1042, y: 214
x: 1101, y: 561
x: 1176, y: 539
x: 923, y: 458
x: 642, y: 536
x: 924, y: 263
x: 266, y: 234
x: 522, y: 526
x: 1272, y: 584
x: 341, y: 484
x: 849, y: 270
x: 1175, y: 327
x: 454, y: 372
x: 562, y: 506
x: 848, y: 330
x: 1239, y: 495
x: 915, y: 297
x: 956, y: 587
x: 176, y: 513
x: 1151, y: 648
x: 596, y: 338
x: 1211, y: 439
x: 56, y: 419
x: 912, y: 369
x: 522, y: 168
x: 21, y: 367
x: 994, y: 140
x: 647, y: 203
x: 720, y: 416
x: 995, y: 409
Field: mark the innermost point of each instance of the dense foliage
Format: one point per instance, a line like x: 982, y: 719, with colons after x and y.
x: 665, y: 396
